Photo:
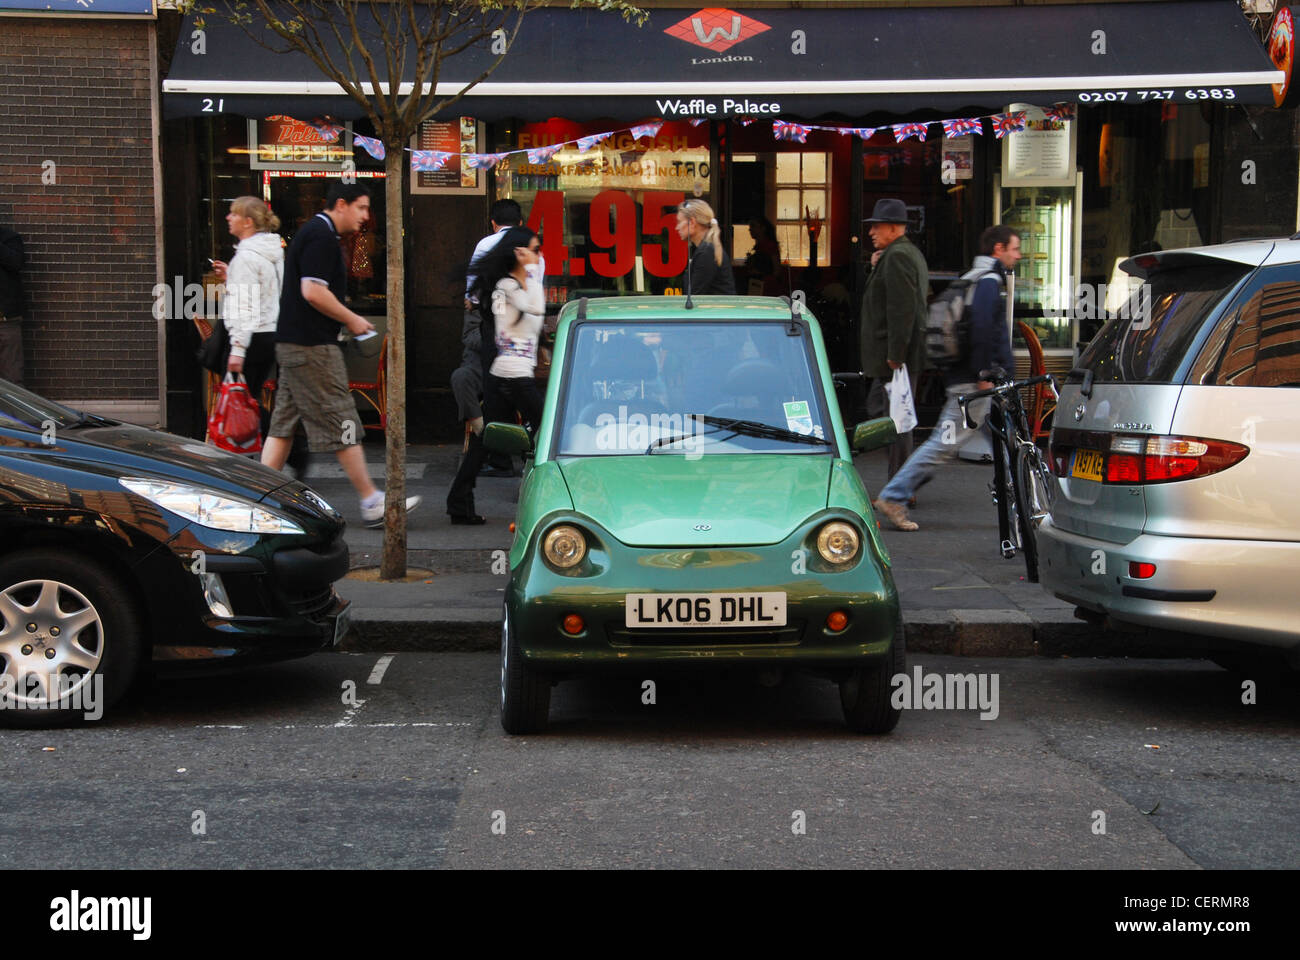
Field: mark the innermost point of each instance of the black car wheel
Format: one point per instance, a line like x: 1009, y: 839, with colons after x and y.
x: 866, y: 692
x: 525, y: 694
x: 70, y: 642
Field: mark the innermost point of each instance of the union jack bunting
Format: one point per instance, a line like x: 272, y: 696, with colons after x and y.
x: 328, y: 129
x: 785, y: 130
x: 1004, y: 123
x: 697, y: 121
x: 866, y: 133
x: 1060, y: 111
x: 964, y: 127
x: 369, y: 144
x: 905, y: 131
x: 586, y: 143
x: 482, y: 161
x: 646, y: 130
x: 746, y: 121
x: 544, y: 154
x: 429, y: 160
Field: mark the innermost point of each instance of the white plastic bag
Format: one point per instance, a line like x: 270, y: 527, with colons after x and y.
x: 901, y: 408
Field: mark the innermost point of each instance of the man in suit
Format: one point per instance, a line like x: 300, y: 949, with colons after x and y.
x: 894, y: 313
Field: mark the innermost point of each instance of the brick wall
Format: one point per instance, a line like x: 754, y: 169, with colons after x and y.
x: 77, y: 92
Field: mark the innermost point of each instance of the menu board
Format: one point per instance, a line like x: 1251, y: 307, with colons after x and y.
x: 459, y: 136
x: 1042, y: 155
x: 283, y: 143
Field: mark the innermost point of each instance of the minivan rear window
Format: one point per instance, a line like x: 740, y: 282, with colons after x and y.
x: 1150, y: 345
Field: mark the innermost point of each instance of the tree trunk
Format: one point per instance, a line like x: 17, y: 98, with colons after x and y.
x: 393, y: 565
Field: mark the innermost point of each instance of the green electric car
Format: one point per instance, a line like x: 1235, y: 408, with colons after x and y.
x: 691, y: 500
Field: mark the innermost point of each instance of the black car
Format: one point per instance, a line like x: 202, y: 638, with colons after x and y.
x: 121, y: 545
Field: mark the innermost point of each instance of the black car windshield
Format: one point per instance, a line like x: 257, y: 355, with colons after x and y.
x: 24, y: 408
x: 643, y: 388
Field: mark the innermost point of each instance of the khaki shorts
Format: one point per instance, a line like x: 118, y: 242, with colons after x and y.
x: 312, y: 386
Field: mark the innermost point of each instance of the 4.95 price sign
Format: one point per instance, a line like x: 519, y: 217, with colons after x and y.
x: 613, y: 227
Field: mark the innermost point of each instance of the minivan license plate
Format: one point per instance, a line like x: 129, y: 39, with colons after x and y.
x: 1087, y: 465
x: 705, y: 610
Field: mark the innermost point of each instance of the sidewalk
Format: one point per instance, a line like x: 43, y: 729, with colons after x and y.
x: 958, y: 595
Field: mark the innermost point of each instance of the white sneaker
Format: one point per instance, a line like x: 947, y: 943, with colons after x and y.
x: 374, y: 516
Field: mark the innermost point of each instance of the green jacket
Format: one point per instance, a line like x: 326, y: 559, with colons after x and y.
x: 894, y: 311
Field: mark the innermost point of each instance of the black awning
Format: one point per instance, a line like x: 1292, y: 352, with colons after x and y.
x: 721, y: 62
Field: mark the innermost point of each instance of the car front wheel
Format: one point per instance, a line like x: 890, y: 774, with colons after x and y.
x: 70, y: 642
x: 525, y: 694
x: 865, y: 693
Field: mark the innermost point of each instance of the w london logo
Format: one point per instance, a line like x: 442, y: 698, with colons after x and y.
x: 716, y: 28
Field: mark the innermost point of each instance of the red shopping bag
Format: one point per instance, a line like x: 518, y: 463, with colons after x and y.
x: 235, y: 423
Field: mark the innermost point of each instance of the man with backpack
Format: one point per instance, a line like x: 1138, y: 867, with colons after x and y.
x: 968, y: 333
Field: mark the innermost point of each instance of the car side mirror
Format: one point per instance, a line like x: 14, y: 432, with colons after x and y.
x: 507, y: 438
x: 874, y: 434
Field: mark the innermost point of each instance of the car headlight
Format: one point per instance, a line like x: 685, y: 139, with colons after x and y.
x: 208, y: 508
x: 838, y: 542
x: 564, y: 546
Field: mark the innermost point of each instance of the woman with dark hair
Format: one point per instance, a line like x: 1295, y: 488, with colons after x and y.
x: 512, y: 304
x: 762, y: 263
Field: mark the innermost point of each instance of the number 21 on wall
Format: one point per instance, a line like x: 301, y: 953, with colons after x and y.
x: 659, y: 213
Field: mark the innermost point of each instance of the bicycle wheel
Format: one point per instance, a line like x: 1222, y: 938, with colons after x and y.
x: 1036, y: 481
x: 1005, y: 496
x: 1032, y: 505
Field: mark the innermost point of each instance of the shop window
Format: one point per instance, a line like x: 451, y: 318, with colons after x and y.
x: 802, y: 188
x: 606, y: 216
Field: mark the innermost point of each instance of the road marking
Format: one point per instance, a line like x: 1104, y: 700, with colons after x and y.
x: 349, y: 714
x: 377, y: 674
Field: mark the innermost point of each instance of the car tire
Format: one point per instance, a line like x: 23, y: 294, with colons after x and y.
x: 525, y: 693
x: 86, y: 622
x: 865, y: 693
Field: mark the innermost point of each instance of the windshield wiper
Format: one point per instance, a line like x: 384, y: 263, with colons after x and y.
x: 749, y: 428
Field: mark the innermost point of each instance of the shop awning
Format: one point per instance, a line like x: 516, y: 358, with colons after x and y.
x: 796, y: 64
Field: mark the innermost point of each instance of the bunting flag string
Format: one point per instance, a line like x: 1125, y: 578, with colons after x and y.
x: 1004, y: 123
x: 962, y: 128
x: 369, y: 144
x: 543, y: 154
x: 785, y: 130
x: 586, y: 143
x: 430, y: 160
x: 647, y: 130
x: 905, y: 131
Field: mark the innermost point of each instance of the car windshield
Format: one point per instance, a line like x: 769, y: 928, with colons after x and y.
x: 24, y: 408
x: 664, y: 388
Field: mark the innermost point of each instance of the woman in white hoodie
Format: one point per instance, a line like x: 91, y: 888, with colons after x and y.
x: 253, y: 278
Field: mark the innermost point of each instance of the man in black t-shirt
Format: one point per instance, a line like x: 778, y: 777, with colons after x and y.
x: 312, y: 384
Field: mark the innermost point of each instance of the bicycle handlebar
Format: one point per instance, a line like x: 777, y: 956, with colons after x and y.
x: 1009, y: 385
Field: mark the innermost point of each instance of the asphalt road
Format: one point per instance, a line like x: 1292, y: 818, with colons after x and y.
x: 272, y: 769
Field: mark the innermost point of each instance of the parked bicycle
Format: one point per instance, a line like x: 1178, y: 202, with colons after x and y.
x: 1023, y: 486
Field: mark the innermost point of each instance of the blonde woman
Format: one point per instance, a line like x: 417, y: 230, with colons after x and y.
x: 707, y: 271
x: 251, y: 305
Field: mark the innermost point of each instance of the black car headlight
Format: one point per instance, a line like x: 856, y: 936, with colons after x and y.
x: 210, y: 508
x: 838, y: 542
x: 564, y: 546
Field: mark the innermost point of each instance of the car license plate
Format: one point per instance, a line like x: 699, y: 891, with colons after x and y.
x: 705, y: 610
x: 1087, y: 465
x: 341, y: 624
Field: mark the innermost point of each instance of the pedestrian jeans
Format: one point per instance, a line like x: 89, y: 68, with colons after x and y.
x: 949, y: 435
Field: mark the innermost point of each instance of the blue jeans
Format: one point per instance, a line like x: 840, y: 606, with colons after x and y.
x: 950, y: 433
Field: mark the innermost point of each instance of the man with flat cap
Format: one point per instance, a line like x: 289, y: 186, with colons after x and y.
x: 894, y: 314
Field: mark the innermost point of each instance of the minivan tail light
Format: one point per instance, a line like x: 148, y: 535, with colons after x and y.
x: 1160, y: 459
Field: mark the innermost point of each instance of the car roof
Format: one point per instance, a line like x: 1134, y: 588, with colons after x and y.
x: 1249, y: 252
x: 713, y: 309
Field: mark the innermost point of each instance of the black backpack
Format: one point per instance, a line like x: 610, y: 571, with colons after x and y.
x: 947, y: 334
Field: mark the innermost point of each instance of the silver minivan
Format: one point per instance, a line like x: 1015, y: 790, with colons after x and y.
x: 1176, y: 445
